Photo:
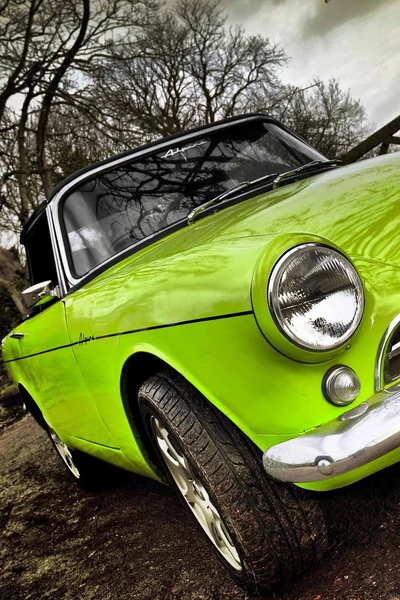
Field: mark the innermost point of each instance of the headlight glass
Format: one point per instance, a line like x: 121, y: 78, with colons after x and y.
x: 316, y: 297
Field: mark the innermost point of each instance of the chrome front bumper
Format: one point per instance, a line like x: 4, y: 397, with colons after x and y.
x: 354, y: 439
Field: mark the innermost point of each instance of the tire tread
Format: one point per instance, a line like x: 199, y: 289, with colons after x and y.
x: 281, y: 528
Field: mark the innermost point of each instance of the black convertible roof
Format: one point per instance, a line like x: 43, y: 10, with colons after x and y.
x: 38, y: 211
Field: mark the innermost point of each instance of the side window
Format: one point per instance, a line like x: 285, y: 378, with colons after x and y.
x: 39, y: 251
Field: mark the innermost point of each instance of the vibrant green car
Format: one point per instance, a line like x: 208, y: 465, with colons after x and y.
x: 221, y: 305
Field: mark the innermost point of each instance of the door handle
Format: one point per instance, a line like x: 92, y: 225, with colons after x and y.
x: 17, y: 335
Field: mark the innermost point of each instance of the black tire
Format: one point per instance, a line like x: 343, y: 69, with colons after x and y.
x: 276, y: 530
x: 86, y: 470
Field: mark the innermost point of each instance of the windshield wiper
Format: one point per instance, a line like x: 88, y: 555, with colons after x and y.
x: 240, y: 186
x: 279, y: 177
x: 315, y: 163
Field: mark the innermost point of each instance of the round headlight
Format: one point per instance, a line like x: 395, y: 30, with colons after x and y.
x: 316, y: 297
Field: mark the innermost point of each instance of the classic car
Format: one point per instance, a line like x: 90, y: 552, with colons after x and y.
x: 222, y: 306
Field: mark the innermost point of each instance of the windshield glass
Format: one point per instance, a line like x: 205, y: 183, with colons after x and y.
x: 125, y: 204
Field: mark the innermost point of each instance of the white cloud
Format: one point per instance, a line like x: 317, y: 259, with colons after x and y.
x: 356, y: 41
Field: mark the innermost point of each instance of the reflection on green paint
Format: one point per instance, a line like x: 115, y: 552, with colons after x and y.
x: 208, y: 270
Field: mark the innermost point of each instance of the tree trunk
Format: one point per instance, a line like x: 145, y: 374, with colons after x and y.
x: 13, y: 276
x: 49, y: 95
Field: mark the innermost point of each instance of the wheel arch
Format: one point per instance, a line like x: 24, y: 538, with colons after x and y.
x: 138, y: 367
x: 144, y: 362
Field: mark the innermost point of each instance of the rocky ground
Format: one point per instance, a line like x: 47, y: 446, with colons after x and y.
x: 131, y: 538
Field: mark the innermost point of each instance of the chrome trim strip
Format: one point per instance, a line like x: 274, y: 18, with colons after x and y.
x: 354, y: 439
x: 59, y: 268
x: 383, y: 346
x: 54, y: 204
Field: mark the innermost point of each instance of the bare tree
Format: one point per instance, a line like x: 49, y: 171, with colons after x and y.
x: 42, y: 42
x: 323, y: 114
x: 17, y: 66
x: 80, y: 80
x: 184, y: 69
x: 47, y: 49
x: 226, y: 64
x: 12, y: 276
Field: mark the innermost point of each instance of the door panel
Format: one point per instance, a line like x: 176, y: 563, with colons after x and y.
x: 44, y: 362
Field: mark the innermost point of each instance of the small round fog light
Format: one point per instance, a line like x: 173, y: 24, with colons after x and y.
x: 341, y: 385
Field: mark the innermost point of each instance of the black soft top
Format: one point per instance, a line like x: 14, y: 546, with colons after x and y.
x: 32, y: 219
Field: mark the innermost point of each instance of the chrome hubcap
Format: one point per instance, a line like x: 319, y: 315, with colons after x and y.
x: 195, y: 495
x: 64, y: 452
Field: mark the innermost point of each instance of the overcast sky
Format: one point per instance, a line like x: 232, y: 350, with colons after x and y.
x: 356, y: 41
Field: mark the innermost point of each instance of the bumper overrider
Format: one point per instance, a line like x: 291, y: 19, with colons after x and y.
x: 356, y: 438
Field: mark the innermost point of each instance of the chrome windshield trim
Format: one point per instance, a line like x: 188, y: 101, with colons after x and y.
x: 57, y: 258
x: 383, y: 346
x: 54, y: 204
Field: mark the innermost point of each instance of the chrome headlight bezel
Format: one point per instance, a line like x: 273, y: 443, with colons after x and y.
x: 273, y: 288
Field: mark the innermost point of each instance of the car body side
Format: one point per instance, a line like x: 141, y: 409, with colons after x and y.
x: 193, y: 301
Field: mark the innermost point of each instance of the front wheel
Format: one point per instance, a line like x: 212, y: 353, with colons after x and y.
x: 263, y: 532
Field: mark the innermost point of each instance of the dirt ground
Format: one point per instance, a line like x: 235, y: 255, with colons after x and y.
x: 132, y: 539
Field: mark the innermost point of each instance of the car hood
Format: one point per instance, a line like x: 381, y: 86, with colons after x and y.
x: 356, y: 207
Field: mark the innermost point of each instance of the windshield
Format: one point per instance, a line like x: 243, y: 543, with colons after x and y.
x: 123, y: 205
